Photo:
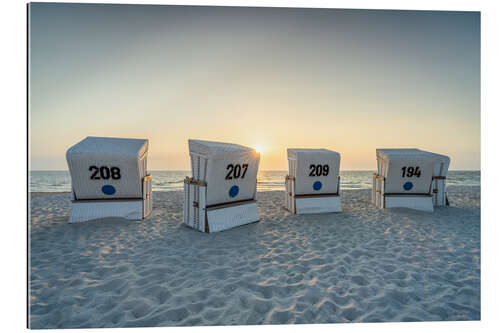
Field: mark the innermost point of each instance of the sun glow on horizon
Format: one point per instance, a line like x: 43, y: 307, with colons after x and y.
x: 259, y: 149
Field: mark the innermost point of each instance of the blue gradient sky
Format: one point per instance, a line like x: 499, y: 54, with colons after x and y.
x: 347, y: 80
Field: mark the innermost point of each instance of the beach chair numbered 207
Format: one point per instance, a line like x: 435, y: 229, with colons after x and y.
x: 221, y: 192
x: 109, y: 179
x: 313, y: 182
x: 410, y: 178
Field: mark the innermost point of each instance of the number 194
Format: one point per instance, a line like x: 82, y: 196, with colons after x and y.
x: 410, y: 172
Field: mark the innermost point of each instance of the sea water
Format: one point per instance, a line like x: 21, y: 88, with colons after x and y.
x: 60, y: 181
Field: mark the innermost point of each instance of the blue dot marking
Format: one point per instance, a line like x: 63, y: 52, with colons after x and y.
x: 233, y: 191
x: 108, y: 189
x: 408, y: 186
x: 317, y: 185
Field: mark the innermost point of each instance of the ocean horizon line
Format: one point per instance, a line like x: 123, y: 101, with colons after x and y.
x: 267, y: 170
x: 60, y: 180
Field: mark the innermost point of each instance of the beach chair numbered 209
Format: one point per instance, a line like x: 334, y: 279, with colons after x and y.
x: 410, y: 178
x: 221, y: 192
x: 109, y: 179
x: 313, y: 182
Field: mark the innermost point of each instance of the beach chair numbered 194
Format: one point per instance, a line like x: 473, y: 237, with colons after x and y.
x: 312, y: 185
x: 109, y: 179
x: 410, y: 178
x: 221, y: 192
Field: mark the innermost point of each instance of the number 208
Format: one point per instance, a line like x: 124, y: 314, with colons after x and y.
x: 104, y: 172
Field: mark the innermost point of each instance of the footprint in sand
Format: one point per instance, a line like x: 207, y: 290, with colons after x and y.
x: 280, y: 317
x: 351, y: 313
x: 262, y: 306
x: 389, y: 268
x: 359, y: 280
x: 141, y: 309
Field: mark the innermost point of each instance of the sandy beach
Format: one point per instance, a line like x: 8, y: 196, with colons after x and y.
x: 361, y: 265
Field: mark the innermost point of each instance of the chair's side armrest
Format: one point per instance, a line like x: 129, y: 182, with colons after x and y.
x: 147, y: 187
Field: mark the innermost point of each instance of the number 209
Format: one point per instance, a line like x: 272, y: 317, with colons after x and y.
x: 318, y: 170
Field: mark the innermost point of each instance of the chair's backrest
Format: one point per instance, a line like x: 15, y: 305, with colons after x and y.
x: 442, y: 164
x: 316, y: 171
x: 107, y: 168
x: 230, y: 170
x: 406, y: 171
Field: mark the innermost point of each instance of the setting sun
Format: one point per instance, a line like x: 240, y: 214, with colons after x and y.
x: 258, y: 149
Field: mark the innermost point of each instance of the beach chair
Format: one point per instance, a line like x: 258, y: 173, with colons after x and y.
x: 313, y: 181
x: 221, y: 192
x: 410, y: 178
x: 109, y: 179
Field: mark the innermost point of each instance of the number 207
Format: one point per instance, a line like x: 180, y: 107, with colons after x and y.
x: 234, y: 171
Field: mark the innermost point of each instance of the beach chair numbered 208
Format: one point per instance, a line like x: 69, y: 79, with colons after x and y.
x: 410, y: 178
x: 109, y: 179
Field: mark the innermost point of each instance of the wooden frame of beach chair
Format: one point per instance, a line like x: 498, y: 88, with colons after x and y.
x: 382, y: 199
x: 311, y: 203
x: 439, y: 196
x: 432, y: 188
x: 303, y: 196
x: 129, y: 208
x: 217, y: 217
x: 221, y: 194
x: 109, y: 179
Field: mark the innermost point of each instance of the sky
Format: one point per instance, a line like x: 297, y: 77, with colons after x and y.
x: 273, y: 78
